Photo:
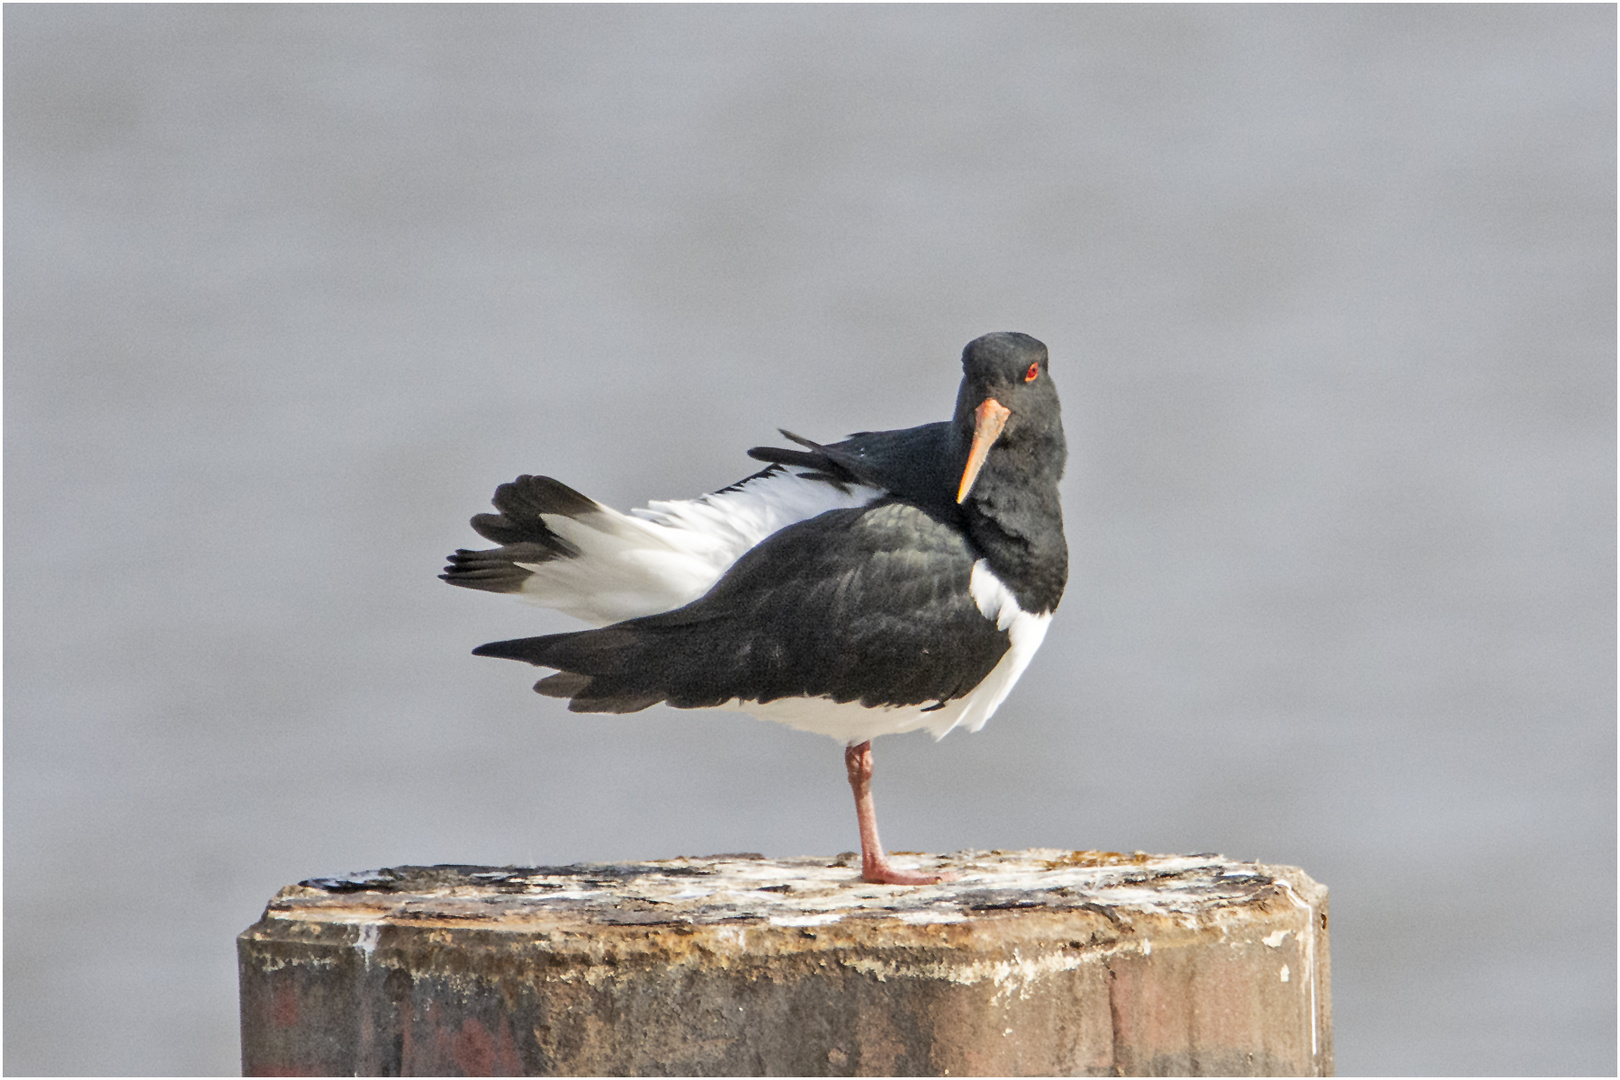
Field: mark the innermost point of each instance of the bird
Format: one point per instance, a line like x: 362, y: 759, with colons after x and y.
x: 894, y: 581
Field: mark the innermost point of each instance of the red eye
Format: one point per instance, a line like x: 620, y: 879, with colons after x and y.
x: 1034, y: 370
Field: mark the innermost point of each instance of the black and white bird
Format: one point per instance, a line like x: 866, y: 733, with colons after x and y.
x: 893, y: 581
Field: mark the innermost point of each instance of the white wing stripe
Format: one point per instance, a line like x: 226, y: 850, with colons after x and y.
x: 673, y: 551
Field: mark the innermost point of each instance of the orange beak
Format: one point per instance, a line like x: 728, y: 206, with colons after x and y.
x: 988, y: 420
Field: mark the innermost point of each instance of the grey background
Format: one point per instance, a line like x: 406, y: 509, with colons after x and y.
x: 1330, y: 294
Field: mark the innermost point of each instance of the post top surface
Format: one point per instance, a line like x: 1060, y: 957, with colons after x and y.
x: 794, y: 892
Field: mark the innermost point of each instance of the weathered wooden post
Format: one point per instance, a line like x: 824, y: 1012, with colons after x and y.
x: 1031, y: 962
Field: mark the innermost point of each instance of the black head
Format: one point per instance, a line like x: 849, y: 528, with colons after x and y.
x: 1008, y: 408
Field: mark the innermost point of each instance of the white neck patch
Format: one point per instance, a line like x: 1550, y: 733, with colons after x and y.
x: 995, y: 600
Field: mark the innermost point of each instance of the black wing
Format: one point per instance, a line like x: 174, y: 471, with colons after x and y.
x: 870, y: 604
x: 918, y: 464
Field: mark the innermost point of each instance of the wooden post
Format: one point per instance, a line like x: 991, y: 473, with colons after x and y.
x: 1031, y: 962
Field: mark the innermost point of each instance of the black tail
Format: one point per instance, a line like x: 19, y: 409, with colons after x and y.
x: 595, y: 668
x: 521, y: 532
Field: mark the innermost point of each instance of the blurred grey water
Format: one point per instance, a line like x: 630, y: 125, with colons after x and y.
x: 1330, y: 294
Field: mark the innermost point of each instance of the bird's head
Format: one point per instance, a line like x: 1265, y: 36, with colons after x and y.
x: 1008, y: 404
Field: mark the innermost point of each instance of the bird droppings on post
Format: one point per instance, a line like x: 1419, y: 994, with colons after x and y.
x: 1036, y: 961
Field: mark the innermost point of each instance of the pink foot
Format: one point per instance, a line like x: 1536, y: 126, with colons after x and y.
x: 882, y: 873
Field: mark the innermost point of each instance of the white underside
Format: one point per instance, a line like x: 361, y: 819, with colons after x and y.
x: 852, y: 722
x: 669, y: 553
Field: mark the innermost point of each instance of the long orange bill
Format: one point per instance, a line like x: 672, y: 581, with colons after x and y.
x: 988, y: 420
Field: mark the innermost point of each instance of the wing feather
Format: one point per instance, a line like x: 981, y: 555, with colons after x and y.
x: 562, y: 550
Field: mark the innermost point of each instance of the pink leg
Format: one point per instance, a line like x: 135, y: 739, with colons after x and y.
x: 875, y: 866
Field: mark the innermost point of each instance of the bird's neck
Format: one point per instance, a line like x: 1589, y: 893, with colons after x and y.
x: 1015, y: 518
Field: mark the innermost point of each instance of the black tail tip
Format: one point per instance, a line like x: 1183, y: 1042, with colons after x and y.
x: 505, y: 650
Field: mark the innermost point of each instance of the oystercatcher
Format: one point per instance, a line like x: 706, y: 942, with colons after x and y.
x: 893, y: 581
